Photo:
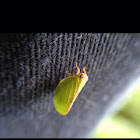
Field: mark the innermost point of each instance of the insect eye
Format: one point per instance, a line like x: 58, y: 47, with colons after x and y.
x: 81, y: 76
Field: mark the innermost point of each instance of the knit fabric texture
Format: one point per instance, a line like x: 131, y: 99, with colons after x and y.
x: 32, y: 65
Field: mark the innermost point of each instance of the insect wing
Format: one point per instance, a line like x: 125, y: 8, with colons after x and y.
x: 64, y: 93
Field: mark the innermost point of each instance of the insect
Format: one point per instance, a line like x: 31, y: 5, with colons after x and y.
x: 68, y: 90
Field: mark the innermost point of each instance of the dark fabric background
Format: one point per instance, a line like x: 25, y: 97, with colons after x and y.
x: 31, y: 66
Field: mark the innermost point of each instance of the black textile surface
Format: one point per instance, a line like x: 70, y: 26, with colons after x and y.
x: 32, y: 64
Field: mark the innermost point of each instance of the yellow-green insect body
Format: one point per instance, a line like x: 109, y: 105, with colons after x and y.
x: 68, y: 90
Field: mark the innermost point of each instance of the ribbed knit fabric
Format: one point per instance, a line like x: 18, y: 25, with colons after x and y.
x: 31, y: 66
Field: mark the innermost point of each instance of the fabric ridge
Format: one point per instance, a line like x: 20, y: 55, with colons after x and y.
x: 32, y: 65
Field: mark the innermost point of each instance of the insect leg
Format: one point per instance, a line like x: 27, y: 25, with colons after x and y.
x: 69, y: 73
x: 84, y: 70
x: 78, y: 70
